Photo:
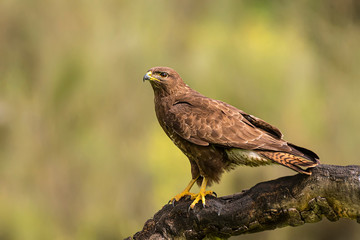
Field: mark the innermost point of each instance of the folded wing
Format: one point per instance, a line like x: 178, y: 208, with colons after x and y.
x: 204, y: 121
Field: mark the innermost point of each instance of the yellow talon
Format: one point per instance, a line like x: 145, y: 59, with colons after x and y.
x: 201, y: 195
x: 181, y: 195
x: 185, y: 192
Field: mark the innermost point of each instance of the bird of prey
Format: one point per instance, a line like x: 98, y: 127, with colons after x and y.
x: 216, y: 136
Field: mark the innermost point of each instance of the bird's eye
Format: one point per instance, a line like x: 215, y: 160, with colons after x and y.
x: 164, y: 74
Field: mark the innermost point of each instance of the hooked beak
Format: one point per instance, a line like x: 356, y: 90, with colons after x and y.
x: 148, y: 77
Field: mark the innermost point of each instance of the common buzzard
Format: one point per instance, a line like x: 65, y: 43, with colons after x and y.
x: 216, y: 136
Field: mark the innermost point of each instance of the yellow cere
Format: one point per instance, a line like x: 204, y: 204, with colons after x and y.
x: 149, y: 74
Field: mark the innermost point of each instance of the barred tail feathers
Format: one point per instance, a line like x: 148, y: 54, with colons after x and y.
x: 299, y: 164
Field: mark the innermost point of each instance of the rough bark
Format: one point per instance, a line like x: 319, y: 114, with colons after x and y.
x: 331, y: 191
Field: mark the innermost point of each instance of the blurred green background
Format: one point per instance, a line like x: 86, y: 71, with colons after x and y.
x: 81, y: 153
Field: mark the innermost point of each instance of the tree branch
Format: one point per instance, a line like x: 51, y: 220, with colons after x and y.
x: 331, y: 191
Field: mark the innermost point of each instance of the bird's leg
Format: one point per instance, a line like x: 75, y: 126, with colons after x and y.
x: 201, y: 195
x: 186, y: 191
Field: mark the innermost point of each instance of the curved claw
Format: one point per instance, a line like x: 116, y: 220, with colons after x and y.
x: 179, y: 196
x: 214, y: 193
x: 183, y: 193
x: 189, y: 209
x: 172, y: 201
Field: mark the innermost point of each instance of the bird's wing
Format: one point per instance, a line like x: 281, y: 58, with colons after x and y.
x: 204, y: 121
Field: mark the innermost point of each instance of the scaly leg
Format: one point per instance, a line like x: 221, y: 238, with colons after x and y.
x: 201, y: 195
x: 186, y: 191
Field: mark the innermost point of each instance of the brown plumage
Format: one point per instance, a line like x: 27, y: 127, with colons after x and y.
x: 216, y: 136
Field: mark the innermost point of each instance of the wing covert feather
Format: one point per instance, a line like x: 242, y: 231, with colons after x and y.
x: 204, y: 121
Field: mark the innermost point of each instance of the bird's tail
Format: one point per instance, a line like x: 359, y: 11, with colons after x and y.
x: 297, y: 163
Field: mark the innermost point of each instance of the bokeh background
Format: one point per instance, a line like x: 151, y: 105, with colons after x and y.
x: 81, y: 153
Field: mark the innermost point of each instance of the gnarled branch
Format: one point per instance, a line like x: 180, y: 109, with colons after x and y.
x: 331, y: 191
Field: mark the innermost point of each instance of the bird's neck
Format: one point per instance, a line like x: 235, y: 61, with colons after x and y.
x: 165, y: 100
x: 169, y: 96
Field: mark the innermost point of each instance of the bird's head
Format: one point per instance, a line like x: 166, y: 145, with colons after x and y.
x: 163, y: 78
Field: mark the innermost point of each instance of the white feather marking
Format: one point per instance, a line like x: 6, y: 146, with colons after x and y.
x: 246, y: 157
